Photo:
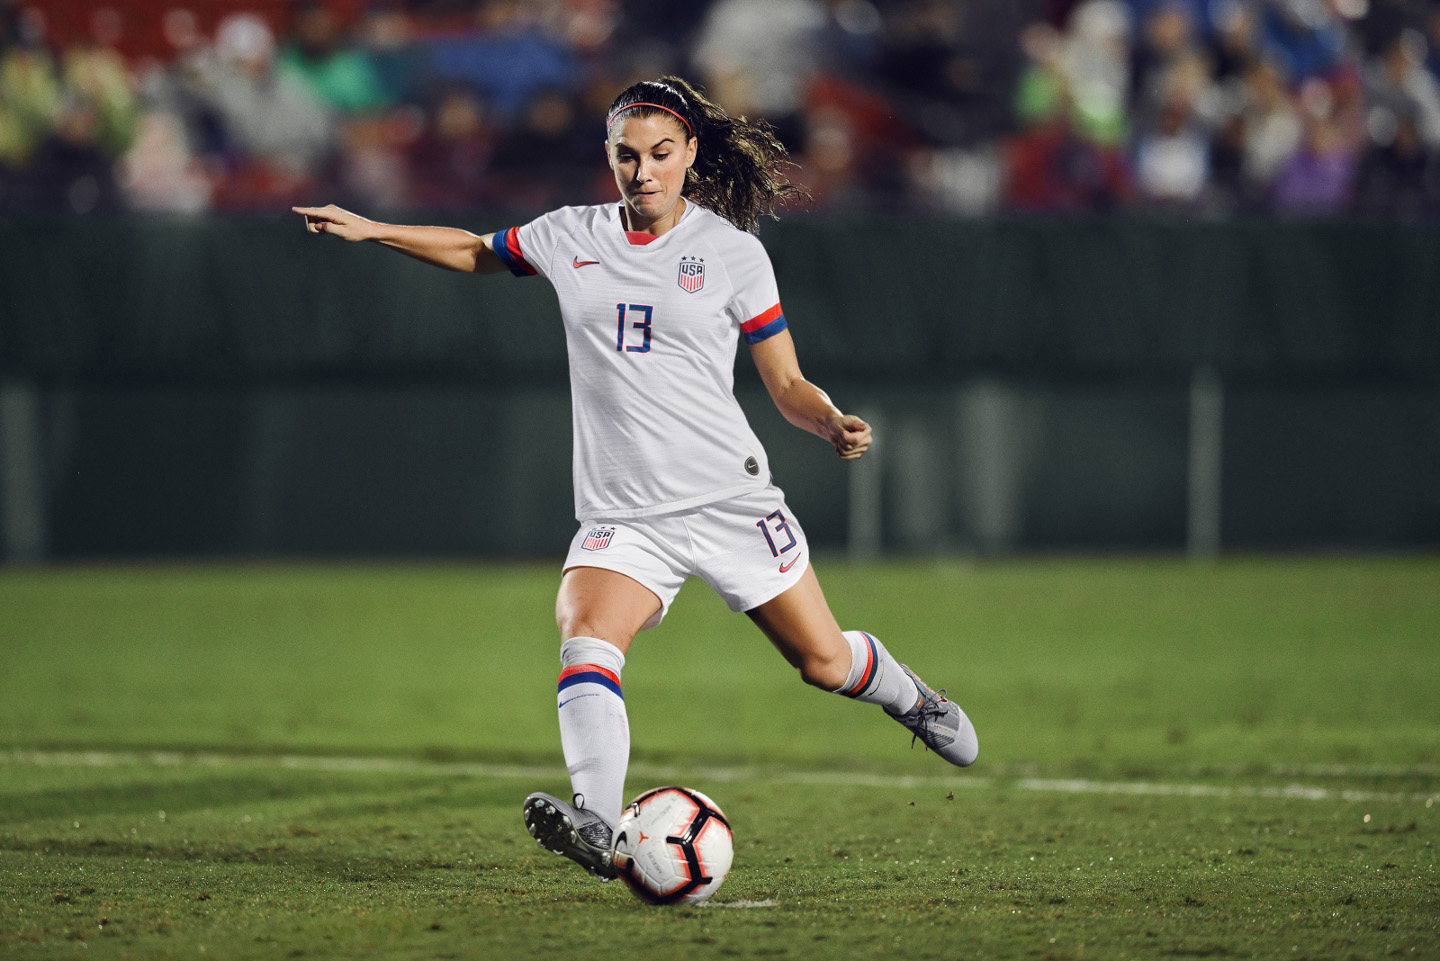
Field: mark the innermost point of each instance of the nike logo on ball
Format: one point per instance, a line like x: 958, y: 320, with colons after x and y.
x: 786, y: 567
x: 577, y: 262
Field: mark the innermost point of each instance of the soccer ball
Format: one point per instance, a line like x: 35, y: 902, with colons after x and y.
x: 673, y: 844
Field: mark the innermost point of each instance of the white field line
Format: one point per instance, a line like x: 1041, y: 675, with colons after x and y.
x: 652, y: 772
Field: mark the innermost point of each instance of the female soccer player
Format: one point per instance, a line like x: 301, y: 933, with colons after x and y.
x: 670, y: 481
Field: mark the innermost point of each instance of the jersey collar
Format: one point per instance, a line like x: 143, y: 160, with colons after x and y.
x: 637, y: 238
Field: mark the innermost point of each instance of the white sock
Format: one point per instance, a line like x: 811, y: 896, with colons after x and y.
x: 875, y: 676
x: 594, y: 728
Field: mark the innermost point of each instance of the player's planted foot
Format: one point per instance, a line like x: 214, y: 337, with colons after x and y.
x: 571, y: 831
x: 939, y: 723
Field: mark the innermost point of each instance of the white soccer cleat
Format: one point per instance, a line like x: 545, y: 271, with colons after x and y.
x: 938, y: 723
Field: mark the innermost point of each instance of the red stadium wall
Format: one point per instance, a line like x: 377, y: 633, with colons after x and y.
x: 141, y: 23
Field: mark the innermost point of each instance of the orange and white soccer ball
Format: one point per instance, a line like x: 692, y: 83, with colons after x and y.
x: 673, y: 845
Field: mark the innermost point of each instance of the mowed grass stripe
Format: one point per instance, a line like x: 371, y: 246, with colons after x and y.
x: 651, y: 772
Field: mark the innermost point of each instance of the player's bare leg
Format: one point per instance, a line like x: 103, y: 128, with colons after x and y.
x: 595, y: 602
x: 806, y: 634
x: 599, y: 613
x: 800, y: 625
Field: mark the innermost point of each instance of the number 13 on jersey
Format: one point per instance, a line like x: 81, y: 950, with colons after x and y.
x: 627, y: 343
x: 774, y: 527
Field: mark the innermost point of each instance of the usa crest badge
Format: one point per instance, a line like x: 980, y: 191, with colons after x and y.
x: 692, y: 274
x: 598, y: 539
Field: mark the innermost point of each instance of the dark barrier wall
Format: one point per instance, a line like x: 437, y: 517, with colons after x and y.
x: 240, y: 300
x: 204, y: 387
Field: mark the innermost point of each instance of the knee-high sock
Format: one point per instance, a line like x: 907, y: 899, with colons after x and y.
x: 594, y: 728
x: 876, y: 677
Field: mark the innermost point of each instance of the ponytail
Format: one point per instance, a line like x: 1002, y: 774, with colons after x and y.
x: 738, y: 169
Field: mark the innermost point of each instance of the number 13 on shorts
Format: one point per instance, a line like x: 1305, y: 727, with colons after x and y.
x: 776, y: 532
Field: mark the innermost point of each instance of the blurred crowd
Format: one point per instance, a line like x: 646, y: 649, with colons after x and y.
x: 971, y: 107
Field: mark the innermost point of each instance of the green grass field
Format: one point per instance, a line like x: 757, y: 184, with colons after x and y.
x: 1237, y: 760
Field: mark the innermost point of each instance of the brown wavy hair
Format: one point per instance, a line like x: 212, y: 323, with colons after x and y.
x: 739, y: 170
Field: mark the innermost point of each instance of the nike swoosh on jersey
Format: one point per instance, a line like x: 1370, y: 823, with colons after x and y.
x: 577, y: 262
x: 786, y: 567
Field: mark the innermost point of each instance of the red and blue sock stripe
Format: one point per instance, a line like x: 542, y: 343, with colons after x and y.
x: 872, y: 665
x: 590, y: 674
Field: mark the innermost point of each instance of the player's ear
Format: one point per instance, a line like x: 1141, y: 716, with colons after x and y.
x: 691, y: 148
x: 609, y: 156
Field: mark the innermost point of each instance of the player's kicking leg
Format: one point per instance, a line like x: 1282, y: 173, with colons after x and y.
x: 857, y: 665
x: 598, y: 613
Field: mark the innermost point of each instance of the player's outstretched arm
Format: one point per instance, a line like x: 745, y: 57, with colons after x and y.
x: 448, y: 247
x: 803, y: 404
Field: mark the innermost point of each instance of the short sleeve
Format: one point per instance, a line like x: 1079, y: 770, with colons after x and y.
x: 526, y: 249
x: 756, y: 301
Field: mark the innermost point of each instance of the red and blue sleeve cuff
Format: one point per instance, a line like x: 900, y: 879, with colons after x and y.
x: 506, y: 245
x: 763, y: 326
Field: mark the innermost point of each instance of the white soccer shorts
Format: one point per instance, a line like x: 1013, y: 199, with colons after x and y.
x: 749, y: 548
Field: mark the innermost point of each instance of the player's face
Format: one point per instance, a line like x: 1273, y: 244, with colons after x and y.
x: 650, y: 156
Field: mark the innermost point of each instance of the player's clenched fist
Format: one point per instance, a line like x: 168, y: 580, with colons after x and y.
x: 331, y: 219
x: 852, y: 437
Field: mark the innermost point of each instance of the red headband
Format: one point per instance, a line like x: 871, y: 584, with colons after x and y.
x: 657, y: 107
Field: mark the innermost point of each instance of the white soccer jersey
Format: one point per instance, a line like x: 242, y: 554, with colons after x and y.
x: 651, y: 329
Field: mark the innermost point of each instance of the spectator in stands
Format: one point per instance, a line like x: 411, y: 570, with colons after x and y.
x: 1096, y: 64
x: 1305, y: 36
x: 1317, y: 179
x: 925, y: 76
x: 92, y: 122
x: 1398, y: 85
x: 1051, y: 168
x: 72, y: 171
x: 1172, y: 154
x: 160, y: 171
x: 386, y: 35
x: 1167, y: 35
x: 509, y: 58
x: 1229, y: 190
x: 96, y: 73
x: 855, y: 148
x: 1203, y: 14
x: 538, y: 161
x: 165, y: 168
x: 1235, y: 44
x: 1042, y: 81
x: 1271, y: 127
x: 449, y: 163
x: 850, y: 39
x: 757, y: 58
x: 277, y: 136
x: 1398, y: 177
x: 337, y: 75
x: 30, y: 96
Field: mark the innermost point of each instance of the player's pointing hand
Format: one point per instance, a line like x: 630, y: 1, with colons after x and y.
x: 852, y: 437
x: 331, y: 219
